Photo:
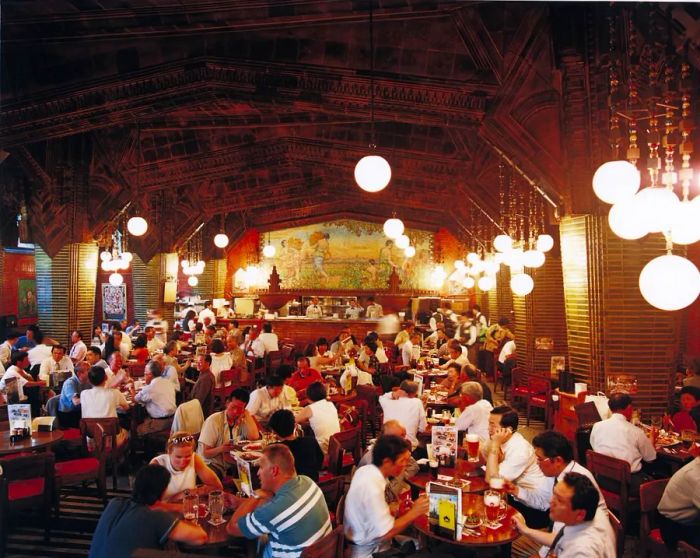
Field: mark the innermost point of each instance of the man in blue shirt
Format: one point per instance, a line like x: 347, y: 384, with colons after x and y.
x: 28, y: 341
x: 290, y: 509
x: 69, y: 401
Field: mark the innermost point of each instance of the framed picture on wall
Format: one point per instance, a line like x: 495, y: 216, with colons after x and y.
x: 113, y: 302
x: 557, y: 364
x: 26, y: 298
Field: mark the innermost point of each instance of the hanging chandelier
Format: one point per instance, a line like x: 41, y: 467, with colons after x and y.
x: 191, y: 260
x: 137, y: 225
x: 116, y: 258
x: 269, y: 250
x: 221, y: 239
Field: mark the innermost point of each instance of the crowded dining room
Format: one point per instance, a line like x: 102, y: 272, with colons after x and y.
x: 349, y: 279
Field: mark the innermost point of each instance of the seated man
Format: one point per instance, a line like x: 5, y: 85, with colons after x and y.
x: 507, y: 359
x: 57, y: 362
x: 369, y: 524
x: 404, y: 406
x: 308, y: 456
x: 223, y: 429
x: 457, y: 354
x: 203, y: 389
x: 680, y: 506
x: 320, y: 414
x: 69, y: 402
x: 126, y: 525
x: 474, y: 418
x: 19, y: 361
x: 396, y: 485
x: 93, y: 356
x: 619, y: 438
x: 154, y: 342
x: 374, y: 309
x: 270, y: 398
x: 469, y: 373
x: 410, y: 351
x: 438, y: 338
x: 510, y: 456
x: 586, y: 531
x: 102, y: 401
x: 290, y: 508
x: 269, y: 338
x: 78, y: 350
x: 304, y: 375
x: 254, y: 348
x: 158, y: 396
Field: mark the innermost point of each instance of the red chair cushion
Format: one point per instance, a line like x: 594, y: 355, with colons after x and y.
x: 538, y: 400
x: 77, y: 466
x: 655, y: 535
x: 332, y: 516
x: 324, y: 476
x: 71, y: 434
x: 27, y: 488
x: 348, y: 460
x: 521, y: 391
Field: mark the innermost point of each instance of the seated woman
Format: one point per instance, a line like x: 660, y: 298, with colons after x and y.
x: 453, y: 378
x: 320, y: 414
x: 220, y: 359
x: 184, y: 466
x: 308, y: 457
x: 140, y: 350
x: 322, y: 355
x: 688, y: 416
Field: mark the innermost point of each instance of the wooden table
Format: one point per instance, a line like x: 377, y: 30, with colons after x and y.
x: 466, y: 470
x: 473, y: 503
x: 37, y: 441
x: 674, y: 456
x: 218, y: 538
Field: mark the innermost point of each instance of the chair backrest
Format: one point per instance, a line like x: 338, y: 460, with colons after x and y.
x: 587, y: 413
x: 369, y: 394
x: 332, y: 488
x: 340, y: 510
x: 188, y: 417
x: 613, y: 476
x: 137, y: 370
x: 24, y: 468
x: 350, y: 441
x: 539, y: 384
x: 330, y: 546
x: 687, y: 550
x: 287, y: 352
x: 4, y: 417
x: 273, y: 360
x: 517, y: 377
x: 650, y: 494
x: 619, y: 533
x: 52, y: 406
x: 228, y: 378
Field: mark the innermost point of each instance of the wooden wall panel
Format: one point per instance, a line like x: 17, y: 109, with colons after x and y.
x: 14, y: 265
x: 147, y: 287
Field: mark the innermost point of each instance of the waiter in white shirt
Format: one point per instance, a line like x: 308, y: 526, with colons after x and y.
x: 353, y: 311
x: 619, y: 438
x: 207, y: 313
x: 314, y: 310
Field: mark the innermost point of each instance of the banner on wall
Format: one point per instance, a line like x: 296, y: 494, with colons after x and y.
x: 113, y: 302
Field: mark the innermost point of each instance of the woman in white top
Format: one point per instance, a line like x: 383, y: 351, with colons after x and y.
x: 220, y: 359
x: 321, y: 415
x: 184, y: 467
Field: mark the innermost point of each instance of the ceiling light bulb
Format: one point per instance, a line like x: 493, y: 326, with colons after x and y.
x: 469, y: 283
x: 459, y: 264
x: 503, y: 243
x: 670, y: 282
x: 624, y: 220
x: 402, y: 242
x: 409, y: 251
x: 616, y: 181
x: 137, y: 226
x: 221, y: 240
x: 544, y: 243
x: 657, y: 207
x: 486, y: 283
x: 192, y: 281
x: 116, y: 279
x: 533, y: 258
x: 393, y: 228
x: 127, y: 257
x: 105, y: 256
x: 521, y: 284
x: 372, y: 173
x: 473, y: 257
x: 269, y: 251
x: 686, y: 223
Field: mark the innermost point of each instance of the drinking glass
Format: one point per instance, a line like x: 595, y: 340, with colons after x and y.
x: 687, y: 435
x: 492, y: 506
x: 216, y: 506
x: 434, y: 466
x: 497, y: 483
x: 472, y: 441
x: 190, y: 506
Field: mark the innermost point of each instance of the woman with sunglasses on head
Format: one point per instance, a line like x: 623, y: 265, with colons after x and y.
x: 184, y: 466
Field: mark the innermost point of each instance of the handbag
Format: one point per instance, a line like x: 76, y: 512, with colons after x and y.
x: 601, y: 403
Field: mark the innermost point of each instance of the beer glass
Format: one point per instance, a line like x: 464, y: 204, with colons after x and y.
x: 492, y: 506
x: 472, y: 441
x: 190, y: 506
x: 434, y: 466
x: 216, y: 506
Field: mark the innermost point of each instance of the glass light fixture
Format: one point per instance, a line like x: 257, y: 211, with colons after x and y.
x: 402, y: 242
x: 269, y: 251
x: 533, y: 258
x: 685, y: 228
x: 670, y: 282
x: 192, y: 281
x: 616, y: 181
x: 221, y: 240
x: 393, y: 228
x: 624, y: 220
x: 656, y: 207
x: 521, y: 284
x: 486, y: 283
x: 116, y: 279
x: 544, y: 243
x: 469, y: 283
x: 514, y: 257
x: 137, y: 226
x: 459, y: 264
x: 372, y: 173
x: 105, y: 256
x: 127, y: 257
x: 409, y: 251
x: 473, y: 257
x: 503, y: 243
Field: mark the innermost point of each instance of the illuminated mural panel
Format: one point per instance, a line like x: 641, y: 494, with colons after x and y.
x: 347, y: 254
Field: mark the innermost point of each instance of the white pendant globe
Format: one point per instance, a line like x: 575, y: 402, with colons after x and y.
x: 498, y: 257
x: 503, y: 243
x: 686, y: 224
x: 105, y: 256
x: 393, y: 228
x: 184, y: 263
x: 372, y: 173
x: 137, y: 226
x: 514, y: 257
x: 269, y: 251
x: 402, y: 242
x: 192, y: 281
x: 491, y: 267
x: 459, y: 264
x: 616, y: 181
x: 104, y: 266
x: 221, y: 240
x: 670, y: 282
x: 545, y: 243
x: 625, y: 222
x: 533, y: 258
x: 116, y: 279
x: 521, y: 284
x: 469, y: 283
x: 656, y: 207
x: 127, y: 257
x: 410, y: 251
x: 473, y: 257
x: 486, y: 283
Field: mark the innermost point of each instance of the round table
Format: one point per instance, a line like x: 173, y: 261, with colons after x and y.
x: 37, y: 441
x: 466, y: 470
x: 486, y: 537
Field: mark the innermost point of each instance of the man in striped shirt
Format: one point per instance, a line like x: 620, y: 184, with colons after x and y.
x: 290, y: 509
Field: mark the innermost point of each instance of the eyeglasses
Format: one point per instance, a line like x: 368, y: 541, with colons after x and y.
x: 182, y: 439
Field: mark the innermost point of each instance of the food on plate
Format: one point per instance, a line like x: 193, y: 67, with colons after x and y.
x: 250, y: 455
x: 255, y: 446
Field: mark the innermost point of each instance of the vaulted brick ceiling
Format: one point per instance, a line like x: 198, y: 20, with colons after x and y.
x: 258, y: 110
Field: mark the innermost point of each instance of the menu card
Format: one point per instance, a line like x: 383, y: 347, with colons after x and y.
x: 418, y: 378
x: 245, y: 476
x: 444, y: 444
x: 445, y: 510
x: 19, y: 416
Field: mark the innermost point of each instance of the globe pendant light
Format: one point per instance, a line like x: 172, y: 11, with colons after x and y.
x: 533, y: 258
x: 269, y: 250
x: 409, y: 252
x: 657, y: 208
x: 486, y: 283
x: 624, y: 220
x: 670, y: 282
x: 686, y: 223
x: 402, y: 242
x: 192, y: 281
x: 469, y: 283
x: 544, y: 243
x: 221, y: 240
x: 615, y: 181
x: 521, y: 284
x: 393, y: 228
x: 372, y: 172
x: 116, y: 279
x: 503, y: 243
x: 137, y: 226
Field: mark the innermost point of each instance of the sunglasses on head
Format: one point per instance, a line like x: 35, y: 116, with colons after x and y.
x: 182, y: 439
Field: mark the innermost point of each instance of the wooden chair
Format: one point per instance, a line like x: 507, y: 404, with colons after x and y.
x: 109, y: 430
x: 566, y: 420
x: 287, y: 351
x: 273, y: 360
x: 354, y: 415
x: 255, y: 373
x: 89, y: 468
x: 687, y: 550
x: 332, y: 488
x: 344, y: 450
x: 540, y: 397
x: 587, y: 414
x: 340, y: 510
x: 26, y: 483
x: 369, y: 394
x: 519, y: 389
x: 330, y: 546
x: 619, y: 533
x: 137, y: 370
x: 613, y: 476
x: 650, y: 494
x: 228, y: 381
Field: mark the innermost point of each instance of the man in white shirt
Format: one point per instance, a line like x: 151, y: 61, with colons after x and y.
x: 353, y: 311
x: 158, y: 396
x: 93, y: 356
x: 207, y: 313
x: 555, y: 457
x: 369, y: 524
x: 457, y: 354
x: 474, y: 418
x: 314, y: 310
x: 410, y: 351
x: 253, y: 347
x: 41, y: 351
x: 374, y: 309
x: 269, y: 339
x: 510, y: 456
x: 102, y: 401
x: 79, y: 349
x: 153, y: 343
x: 619, y: 438
x: 680, y: 505
x: 19, y: 362
x: 404, y: 406
x: 266, y: 400
x: 57, y: 362
x: 7, y: 347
